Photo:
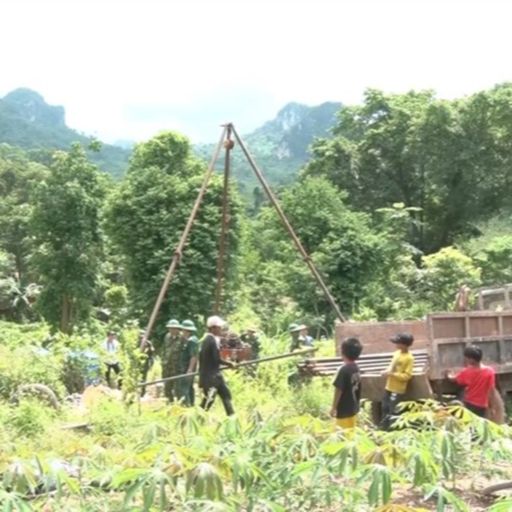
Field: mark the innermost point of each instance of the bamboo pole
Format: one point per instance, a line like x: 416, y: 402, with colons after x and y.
x: 181, y: 244
x: 224, y: 242
x: 238, y: 365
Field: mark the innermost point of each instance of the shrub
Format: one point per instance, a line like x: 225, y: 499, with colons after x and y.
x: 29, y: 418
x: 445, y: 271
x: 28, y: 365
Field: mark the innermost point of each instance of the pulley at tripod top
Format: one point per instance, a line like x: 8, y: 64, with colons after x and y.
x: 229, y: 144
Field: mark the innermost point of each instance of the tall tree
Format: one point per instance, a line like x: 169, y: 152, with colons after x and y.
x: 340, y: 241
x: 146, y: 216
x: 444, y: 272
x: 18, y: 179
x: 66, y: 226
x: 450, y: 158
x: 492, y: 249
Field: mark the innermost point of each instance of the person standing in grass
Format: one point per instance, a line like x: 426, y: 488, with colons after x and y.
x: 397, y: 376
x: 169, y: 356
x: 111, y: 347
x: 295, y: 333
x: 211, y: 380
x: 478, y: 381
x: 347, y: 385
x: 297, y: 343
x: 187, y: 362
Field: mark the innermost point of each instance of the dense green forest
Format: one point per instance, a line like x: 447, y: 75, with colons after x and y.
x: 406, y: 200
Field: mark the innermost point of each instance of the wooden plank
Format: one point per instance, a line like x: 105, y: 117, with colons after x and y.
x: 420, y: 357
x: 462, y: 314
x: 375, y: 335
x: 383, y: 364
x: 382, y: 355
x: 361, y: 367
x: 372, y: 387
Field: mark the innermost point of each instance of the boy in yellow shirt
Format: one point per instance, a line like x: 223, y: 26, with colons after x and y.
x: 398, y: 376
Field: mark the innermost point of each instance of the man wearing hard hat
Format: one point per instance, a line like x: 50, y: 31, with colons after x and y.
x: 298, y: 340
x: 187, y: 362
x: 211, y: 381
x: 169, y: 356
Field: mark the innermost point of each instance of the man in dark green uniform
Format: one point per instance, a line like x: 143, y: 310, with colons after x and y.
x: 187, y: 362
x: 297, y: 341
x: 169, y: 356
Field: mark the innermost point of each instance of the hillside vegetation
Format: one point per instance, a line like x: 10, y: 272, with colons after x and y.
x: 28, y: 122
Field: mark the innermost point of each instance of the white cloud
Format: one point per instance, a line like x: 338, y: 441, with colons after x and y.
x: 201, y: 61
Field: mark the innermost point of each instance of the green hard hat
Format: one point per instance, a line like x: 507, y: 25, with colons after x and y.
x: 188, y: 325
x: 293, y: 327
x: 173, y: 323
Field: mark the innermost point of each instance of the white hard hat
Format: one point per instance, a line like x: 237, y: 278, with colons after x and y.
x: 215, y: 321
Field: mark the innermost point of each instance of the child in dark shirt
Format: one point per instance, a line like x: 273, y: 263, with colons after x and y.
x: 478, y: 380
x: 347, y: 384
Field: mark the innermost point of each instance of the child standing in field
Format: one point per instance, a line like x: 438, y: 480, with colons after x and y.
x: 478, y: 381
x: 347, y: 384
x: 398, y: 376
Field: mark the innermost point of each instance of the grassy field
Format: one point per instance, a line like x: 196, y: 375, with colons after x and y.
x: 280, y: 452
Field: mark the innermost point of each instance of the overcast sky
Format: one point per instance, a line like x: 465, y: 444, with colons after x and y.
x: 127, y: 69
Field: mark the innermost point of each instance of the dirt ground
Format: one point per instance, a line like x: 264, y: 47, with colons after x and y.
x: 468, y: 490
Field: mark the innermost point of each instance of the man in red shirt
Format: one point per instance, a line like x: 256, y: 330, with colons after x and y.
x: 477, y: 380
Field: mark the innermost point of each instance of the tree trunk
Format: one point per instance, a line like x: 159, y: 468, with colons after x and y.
x: 65, y: 314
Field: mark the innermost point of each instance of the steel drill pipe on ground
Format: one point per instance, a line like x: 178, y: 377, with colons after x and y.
x: 369, y: 363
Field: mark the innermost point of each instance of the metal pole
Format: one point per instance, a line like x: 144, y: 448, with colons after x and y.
x: 288, y: 227
x: 243, y: 363
x: 223, y: 245
x: 178, y: 251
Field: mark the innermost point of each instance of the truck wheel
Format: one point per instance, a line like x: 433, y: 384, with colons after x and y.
x: 496, y: 410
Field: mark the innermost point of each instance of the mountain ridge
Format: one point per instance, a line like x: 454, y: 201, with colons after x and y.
x: 28, y: 122
x: 280, y: 145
